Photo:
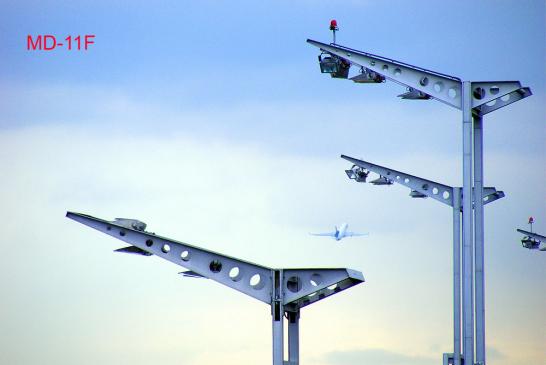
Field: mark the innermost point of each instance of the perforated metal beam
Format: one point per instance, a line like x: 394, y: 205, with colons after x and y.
x: 442, y: 87
x: 532, y: 235
x: 502, y: 101
x: 193, y: 258
x: 440, y: 192
x: 484, y: 92
x: 306, y: 286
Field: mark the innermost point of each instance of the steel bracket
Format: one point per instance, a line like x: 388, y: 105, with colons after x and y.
x: 502, y: 101
x: 484, y: 92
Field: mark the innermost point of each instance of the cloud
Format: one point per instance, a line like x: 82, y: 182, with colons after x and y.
x: 376, y: 357
x: 494, y: 354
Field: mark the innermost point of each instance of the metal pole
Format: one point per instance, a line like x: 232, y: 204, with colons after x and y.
x: 479, y: 240
x: 457, y: 276
x: 293, y: 338
x: 468, y: 297
x: 277, y: 316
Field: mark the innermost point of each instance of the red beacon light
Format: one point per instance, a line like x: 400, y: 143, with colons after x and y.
x: 334, y: 28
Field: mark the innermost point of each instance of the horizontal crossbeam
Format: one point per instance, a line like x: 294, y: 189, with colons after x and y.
x: 419, y: 187
x: 532, y: 235
x: 440, y: 192
x: 245, y: 277
x: 444, y: 88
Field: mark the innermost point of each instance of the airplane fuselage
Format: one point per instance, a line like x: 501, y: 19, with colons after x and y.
x: 340, y: 232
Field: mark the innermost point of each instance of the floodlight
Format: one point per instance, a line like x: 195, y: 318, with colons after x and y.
x: 382, y: 180
x: 368, y: 77
x: 335, y: 66
x: 357, y: 173
x: 413, y: 94
x: 416, y: 194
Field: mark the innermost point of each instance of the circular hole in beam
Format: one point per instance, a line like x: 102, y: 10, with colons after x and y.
x: 423, y: 81
x: 185, y: 255
x: 438, y: 86
x: 166, y: 248
x: 293, y: 284
x: 235, y: 274
x: 215, y: 266
x: 256, y: 281
x: 445, y: 195
x: 315, y: 280
x: 149, y: 242
x: 479, y: 93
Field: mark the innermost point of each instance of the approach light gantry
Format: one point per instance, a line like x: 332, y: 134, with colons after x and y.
x: 474, y: 99
x: 448, y: 195
x: 285, y: 290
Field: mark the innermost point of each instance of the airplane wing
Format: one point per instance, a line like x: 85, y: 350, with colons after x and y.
x: 355, y: 234
x: 532, y: 235
x: 328, y: 234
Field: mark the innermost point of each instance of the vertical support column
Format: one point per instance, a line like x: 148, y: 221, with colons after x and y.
x: 457, y: 276
x: 479, y: 240
x: 294, y: 337
x: 468, y: 295
x: 277, y: 316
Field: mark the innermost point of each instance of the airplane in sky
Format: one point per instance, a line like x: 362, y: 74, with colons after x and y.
x: 340, y: 233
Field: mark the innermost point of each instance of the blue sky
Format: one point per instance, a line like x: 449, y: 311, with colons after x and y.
x: 211, y: 122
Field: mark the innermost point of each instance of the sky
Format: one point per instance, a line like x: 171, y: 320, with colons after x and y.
x: 211, y: 122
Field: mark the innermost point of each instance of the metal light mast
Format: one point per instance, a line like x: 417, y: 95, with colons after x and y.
x: 474, y: 99
x: 451, y: 196
x: 285, y: 290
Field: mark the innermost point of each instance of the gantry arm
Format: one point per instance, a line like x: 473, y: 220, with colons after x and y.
x: 223, y: 269
x: 486, y: 97
x: 508, y: 97
x: 440, y: 192
x: 532, y: 235
x: 444, y: 88
x: 306, y: 286
x: 434, y: 190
